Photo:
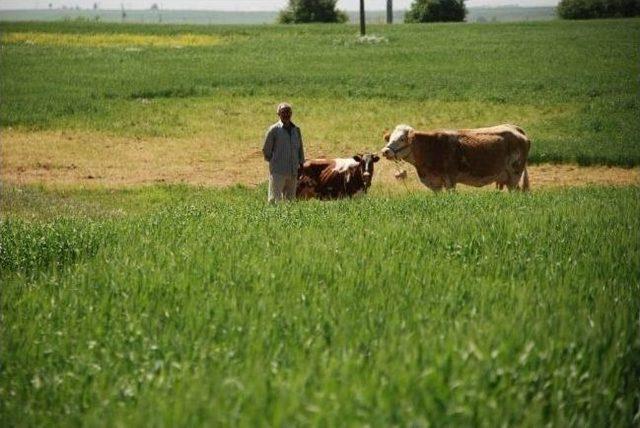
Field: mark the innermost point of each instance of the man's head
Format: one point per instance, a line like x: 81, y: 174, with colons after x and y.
x: 285, y: 112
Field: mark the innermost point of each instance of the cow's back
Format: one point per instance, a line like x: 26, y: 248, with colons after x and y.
x: 504, y: 130
x: 314, y: 168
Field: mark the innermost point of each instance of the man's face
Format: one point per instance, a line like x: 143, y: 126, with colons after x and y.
x: 285, y: 115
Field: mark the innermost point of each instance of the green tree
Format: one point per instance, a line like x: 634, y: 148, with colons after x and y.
x: 436, y: 11
x: 590, y: 9
x: 300, y: 11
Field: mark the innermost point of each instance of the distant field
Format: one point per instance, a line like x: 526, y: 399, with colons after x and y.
x: 178, y: 306
x: 508, y: 13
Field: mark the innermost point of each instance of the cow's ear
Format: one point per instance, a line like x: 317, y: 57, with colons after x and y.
x: 386, y: 135
x: 376, y: 158
x: 357, y: 158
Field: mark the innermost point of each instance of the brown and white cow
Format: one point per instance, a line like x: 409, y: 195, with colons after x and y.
x: 475, y: 157
x: 335, y: 178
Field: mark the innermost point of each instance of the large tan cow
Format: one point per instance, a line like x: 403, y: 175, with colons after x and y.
x: 475, y: 157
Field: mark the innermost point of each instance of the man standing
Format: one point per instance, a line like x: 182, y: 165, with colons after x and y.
x: 284, y: 152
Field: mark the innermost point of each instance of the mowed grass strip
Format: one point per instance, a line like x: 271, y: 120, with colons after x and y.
x: 571, y: 85
x: 217, y: 141
x: 212, y: 307
x: 78, y: 159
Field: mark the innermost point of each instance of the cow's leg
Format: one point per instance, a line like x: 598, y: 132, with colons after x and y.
x: 502, y: 180
x: 449, y: 183
x: 513, y: 180
x: 525, y: 180
x: 515, y: 172
x: 435, y: 186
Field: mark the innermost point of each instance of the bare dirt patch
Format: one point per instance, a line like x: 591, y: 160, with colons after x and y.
x: 87, y: 160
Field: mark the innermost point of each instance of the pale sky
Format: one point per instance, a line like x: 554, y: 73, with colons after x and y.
x: 239, y: 5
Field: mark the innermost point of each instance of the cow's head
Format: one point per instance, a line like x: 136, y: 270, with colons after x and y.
x: 398, y: 143
x: 366, y: 165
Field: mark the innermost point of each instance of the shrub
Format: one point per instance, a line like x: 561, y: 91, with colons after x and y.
x: 590, y: 9
x: 300, y: 11
x: 436, y: 11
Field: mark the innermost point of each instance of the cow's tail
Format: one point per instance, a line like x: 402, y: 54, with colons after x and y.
x: 525, y: 180
x: 525, y: 174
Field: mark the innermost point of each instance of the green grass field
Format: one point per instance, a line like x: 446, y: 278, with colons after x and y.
x: 195, y: 306
x: 179, y: 306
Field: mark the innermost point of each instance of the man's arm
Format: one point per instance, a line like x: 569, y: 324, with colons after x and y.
x: 267, y: 147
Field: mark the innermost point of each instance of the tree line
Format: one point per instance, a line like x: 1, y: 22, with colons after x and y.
x: 302, y: 11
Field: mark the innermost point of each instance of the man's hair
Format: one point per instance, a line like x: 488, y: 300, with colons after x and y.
x: 283, y: 106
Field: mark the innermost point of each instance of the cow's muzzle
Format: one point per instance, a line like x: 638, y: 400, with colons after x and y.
x: 366, y: 176
x: 388, y: 153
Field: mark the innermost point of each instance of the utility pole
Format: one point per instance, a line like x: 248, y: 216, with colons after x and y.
x: 389, y: 11
x: 362, y: 29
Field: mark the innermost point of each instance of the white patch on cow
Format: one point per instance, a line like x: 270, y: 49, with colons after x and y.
x: 400, y: 133
x: 345, y: 164
x: 399, y: 140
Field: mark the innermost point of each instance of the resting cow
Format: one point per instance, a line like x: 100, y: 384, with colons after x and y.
x: 475, y: 157
x: 335, y: 178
